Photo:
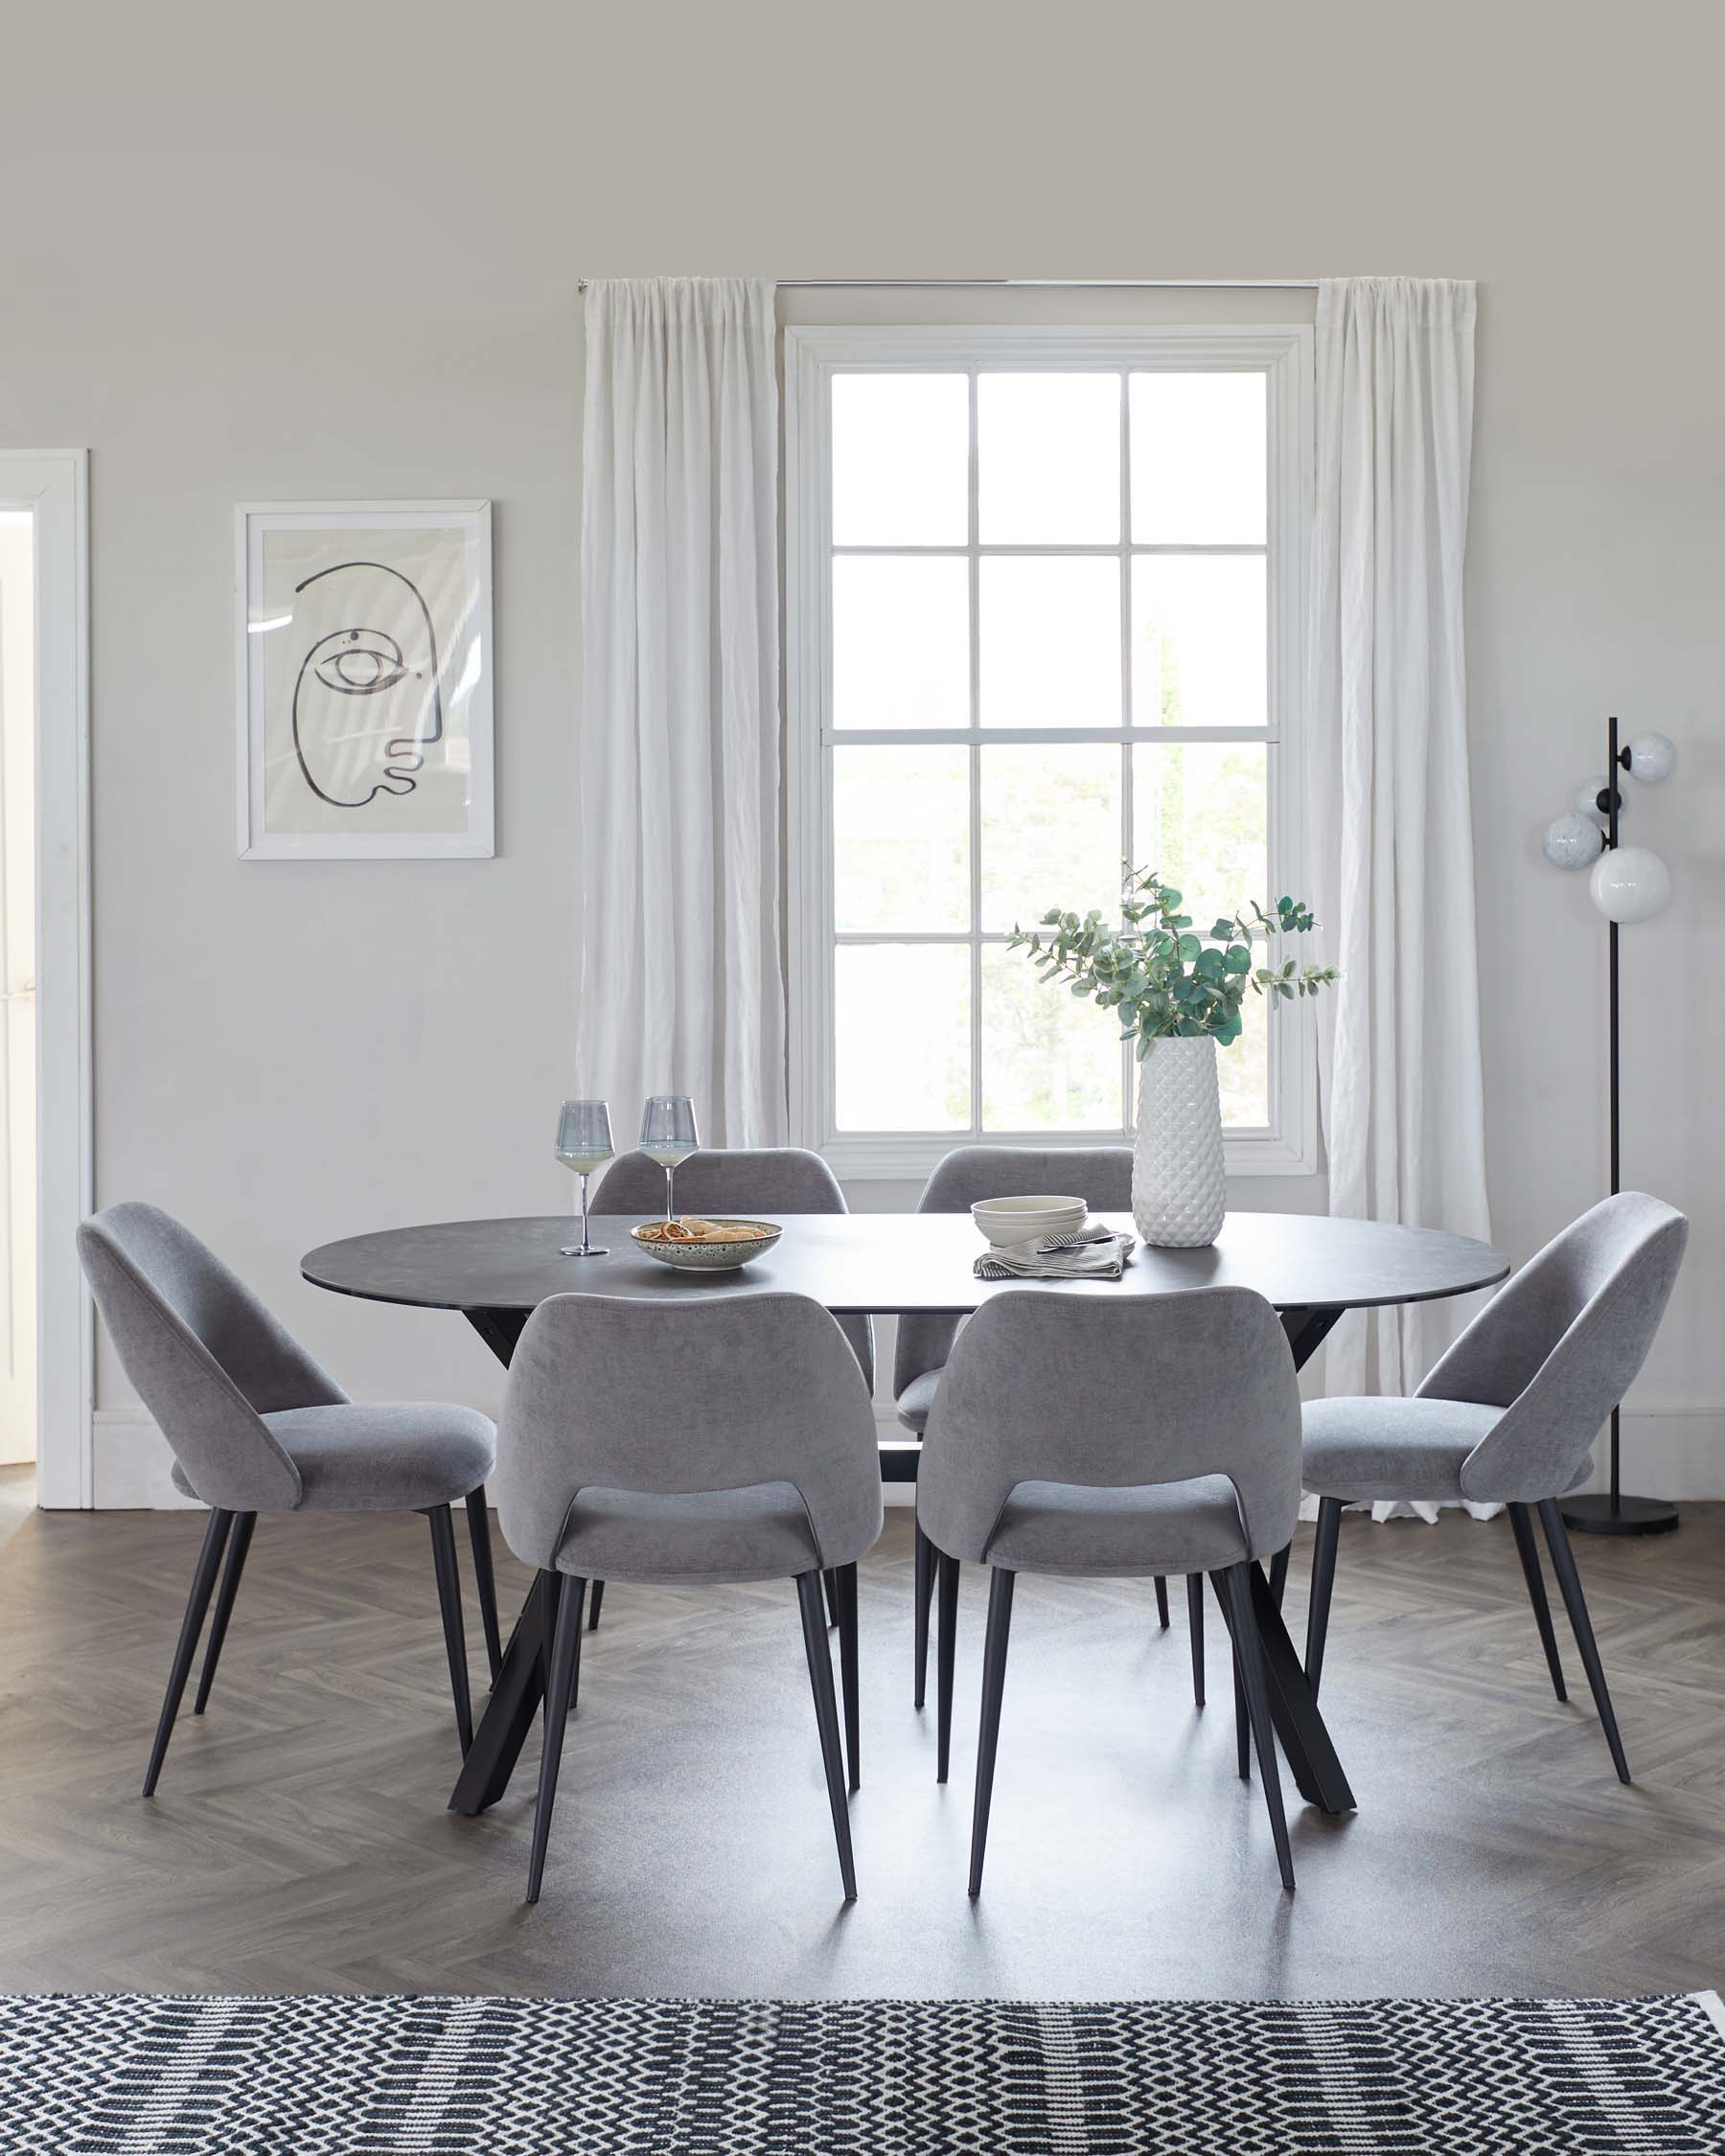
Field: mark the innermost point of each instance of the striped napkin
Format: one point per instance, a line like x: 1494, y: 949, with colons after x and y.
x: 1091, y: 1252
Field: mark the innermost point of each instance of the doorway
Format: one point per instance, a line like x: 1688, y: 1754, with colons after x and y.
x: 46, y: 1319
x: 18, y: 1004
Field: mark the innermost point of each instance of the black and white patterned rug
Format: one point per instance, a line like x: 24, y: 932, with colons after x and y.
x: 357, y: 2077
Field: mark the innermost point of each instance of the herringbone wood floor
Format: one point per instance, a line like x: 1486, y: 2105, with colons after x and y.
x: 299, y: 1840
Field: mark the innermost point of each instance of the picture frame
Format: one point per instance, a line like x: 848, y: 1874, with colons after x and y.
x: 363, y: 673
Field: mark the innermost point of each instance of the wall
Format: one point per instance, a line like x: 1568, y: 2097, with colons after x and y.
x: 331, y: 251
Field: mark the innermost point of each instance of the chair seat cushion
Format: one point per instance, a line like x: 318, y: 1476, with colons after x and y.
x: 1365, y: 1449
x: 916, y: 1399
x: 1068, y: 1527
x: 397, y: 1456
x: 709, y: 1536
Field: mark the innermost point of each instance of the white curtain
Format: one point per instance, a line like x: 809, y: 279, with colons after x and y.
x: 681, y: 989
x: 1388, y: 816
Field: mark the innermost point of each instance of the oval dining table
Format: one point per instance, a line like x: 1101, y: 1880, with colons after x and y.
x: 497, y: 1272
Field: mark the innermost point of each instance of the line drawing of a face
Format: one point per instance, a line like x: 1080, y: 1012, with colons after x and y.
x: 365, y: 663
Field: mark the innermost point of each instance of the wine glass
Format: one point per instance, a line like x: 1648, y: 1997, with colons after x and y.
x: 668, y: 1133
x: 584, y: 1144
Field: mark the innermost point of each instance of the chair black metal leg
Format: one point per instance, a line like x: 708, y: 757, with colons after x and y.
x: 1569, y: 1579
x: 849, y: 1673
x: 1237, y: 1585
x: 925, y: 1594
x: 1527, y: 1551
x: 484, y: 1577
x: 993, y: 1685
x: 594, y: 1601
x: 1242, y: 1729
x: 1195, y: 1624
x: 1242, y: 1733
x: 1323, y: 1579
x: 1278, y: 1572
x: 239, y: 1543
x: 830, y: 1585
x: 566, y: 1661
x: 448, y: 1596
x: 1161, y: 1603
x: 198, y: 1603
x: 810, y: 1599
x: 944, y: 1652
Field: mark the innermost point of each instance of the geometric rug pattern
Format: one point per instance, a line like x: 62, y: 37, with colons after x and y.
x: 332, y: 2075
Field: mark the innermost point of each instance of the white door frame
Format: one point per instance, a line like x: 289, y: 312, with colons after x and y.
x: 54, y: 485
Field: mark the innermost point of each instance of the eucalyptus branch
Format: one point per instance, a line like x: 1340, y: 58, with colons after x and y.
x: 1163, y: 979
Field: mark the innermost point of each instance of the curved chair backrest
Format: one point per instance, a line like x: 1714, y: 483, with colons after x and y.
x: 207, y: 1358
x: 744, y: 1179
x: 1160, y: 1388
x: 668, y: 1399
x: 1561, y: 1345
x: 1101, y: 1174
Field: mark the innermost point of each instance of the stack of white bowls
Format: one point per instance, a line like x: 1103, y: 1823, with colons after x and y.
x: 1006, y: 1220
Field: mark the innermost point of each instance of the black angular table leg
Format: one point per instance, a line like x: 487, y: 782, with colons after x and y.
x: 509, y: 1714
x: 1307, y: 1329
x: 1294, y: 1710
x: 519, y: 1683
x: 498, y: 1329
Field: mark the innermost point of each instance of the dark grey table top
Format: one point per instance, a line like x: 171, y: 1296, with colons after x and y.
x: 897, y: 1262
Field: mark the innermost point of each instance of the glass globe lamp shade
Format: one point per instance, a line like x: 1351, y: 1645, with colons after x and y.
x: 1651, y: 758
x: 1630, y: 883
x: 1573, y: 841
x: 1587, y: 800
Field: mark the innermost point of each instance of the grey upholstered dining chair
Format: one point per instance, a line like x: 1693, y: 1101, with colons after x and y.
x: 774, y: 1180
x: 1101, y: 1174
x: 1511, y: 1413
x: 710, y: 1443
x: 1105, y: 1440
x: 256, y: 1426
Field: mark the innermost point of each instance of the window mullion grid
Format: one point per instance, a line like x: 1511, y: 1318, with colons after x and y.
x: 1152, y: 735
x: 975, y: 776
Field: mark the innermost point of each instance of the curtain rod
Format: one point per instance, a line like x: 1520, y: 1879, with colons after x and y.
x: 1041, y: 284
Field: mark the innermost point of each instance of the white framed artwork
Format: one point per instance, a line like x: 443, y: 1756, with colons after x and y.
x: 364, y: 674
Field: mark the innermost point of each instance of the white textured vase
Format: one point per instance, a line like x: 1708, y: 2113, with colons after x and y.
x: 1179, y: 1190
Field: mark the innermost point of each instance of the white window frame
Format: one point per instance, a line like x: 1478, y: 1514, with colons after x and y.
x: 1281, y: 351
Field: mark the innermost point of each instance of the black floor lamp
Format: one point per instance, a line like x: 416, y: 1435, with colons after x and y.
x: 1628, y: 883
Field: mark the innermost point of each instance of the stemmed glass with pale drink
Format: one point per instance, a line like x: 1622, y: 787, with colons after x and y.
x: 668, y: 1134
x: 584, y: 1144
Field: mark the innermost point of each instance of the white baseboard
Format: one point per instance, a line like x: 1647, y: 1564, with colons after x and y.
x: 887, y: 1423
x: 132, y: 1467
x: 1668, y: 1451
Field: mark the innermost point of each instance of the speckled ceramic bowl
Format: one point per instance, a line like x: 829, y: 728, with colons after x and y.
x: 710, y: 1257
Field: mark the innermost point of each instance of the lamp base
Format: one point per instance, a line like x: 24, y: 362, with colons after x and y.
x: 1597, y: 1515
